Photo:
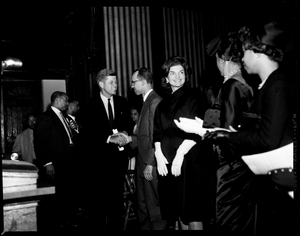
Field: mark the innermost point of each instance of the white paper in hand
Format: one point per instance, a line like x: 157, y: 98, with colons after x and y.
x: 262, y: 163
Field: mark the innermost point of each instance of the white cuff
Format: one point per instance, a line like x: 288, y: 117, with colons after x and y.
x: 49, y: 163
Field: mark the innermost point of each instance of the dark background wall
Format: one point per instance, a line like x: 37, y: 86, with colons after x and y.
x: 73, y: 42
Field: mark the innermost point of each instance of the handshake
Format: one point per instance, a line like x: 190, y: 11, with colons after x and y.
x: 120, y: 138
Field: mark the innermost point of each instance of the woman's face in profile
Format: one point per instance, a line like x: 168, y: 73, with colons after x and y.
x: 249, y: 61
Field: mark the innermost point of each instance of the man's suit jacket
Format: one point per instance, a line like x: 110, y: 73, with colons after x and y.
x: 51, y: 141
x: 144, y: 133
x: 97, y: 129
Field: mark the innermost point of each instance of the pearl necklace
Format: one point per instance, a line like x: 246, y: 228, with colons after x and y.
x: 230, y: 74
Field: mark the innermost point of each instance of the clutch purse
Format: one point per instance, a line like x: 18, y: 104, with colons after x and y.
x: 212, y: 117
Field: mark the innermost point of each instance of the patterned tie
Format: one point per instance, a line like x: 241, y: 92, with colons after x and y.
x: 110, y: 114
x: 68, y: 129
x: 72, y: 123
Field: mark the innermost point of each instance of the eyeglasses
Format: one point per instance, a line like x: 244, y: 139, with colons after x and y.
x: 134, y: 81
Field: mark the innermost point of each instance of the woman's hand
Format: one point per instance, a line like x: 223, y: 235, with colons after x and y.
x: 161, y: 160
x: 193, y: 126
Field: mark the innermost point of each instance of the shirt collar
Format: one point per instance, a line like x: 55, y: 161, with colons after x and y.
x: 262, y: 83
x: 73, y: 117
x: 57, y: 111
x: 146, y: 95
x: 105, y: 98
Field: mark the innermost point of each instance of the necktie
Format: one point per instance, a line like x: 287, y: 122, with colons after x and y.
x: 68, y: 129
x: 110, y: 114
x: 72, y: 123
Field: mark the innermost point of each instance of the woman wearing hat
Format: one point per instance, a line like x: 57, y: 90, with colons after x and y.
x: 235, y: 208
x: 272, y: 125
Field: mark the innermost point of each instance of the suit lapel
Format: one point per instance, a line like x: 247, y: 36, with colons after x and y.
x: 58, y: 122
x: 101, y: 108
x: 145, y: 107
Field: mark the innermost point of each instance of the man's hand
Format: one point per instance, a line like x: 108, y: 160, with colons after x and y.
x: 124, y: 139
x: 118, y: 138
x: 148, y: 172
x: 50, y: 170
x: 114, y: 139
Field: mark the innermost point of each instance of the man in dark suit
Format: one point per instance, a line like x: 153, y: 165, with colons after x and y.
x: 106, y: 161
x: 72, y: 115
x: 54, y: 150
x: 148, y: 210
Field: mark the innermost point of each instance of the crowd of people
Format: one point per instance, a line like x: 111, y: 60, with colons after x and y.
x: 189, y: 171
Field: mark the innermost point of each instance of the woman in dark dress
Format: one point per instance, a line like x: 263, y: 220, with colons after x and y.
x: 183, y: 181
x: 234, y: 178
x: 235, y: 205
x: 264, y: 45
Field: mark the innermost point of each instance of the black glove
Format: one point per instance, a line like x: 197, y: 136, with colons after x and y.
x: 225, y: 149
x: 215, y: 135
x: 283, y: 178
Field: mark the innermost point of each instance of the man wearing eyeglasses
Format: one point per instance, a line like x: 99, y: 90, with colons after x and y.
x: 148, y: 210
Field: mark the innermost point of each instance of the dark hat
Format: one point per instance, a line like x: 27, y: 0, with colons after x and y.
x: 270, y: 38
x: 228, y: 47
x: 213, y: 46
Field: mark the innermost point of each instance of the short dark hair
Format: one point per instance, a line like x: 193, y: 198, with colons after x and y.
x: 174, y: 61
x: 57, y: 94
x: 104, y: 73
x: 144, y: 73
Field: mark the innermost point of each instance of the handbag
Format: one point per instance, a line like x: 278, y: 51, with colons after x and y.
x: 212, y: 116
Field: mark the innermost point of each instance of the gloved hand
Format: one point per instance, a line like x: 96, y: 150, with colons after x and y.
x: 226, y: 150
x: 177, y: 163
x: 191, y: 125
x: 161, y: 160
x: 183, y: 149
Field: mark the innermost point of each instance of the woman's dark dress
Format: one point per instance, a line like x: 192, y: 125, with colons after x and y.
x: 186, y: 196
x: 273, y: 103
x: 235, y: 205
